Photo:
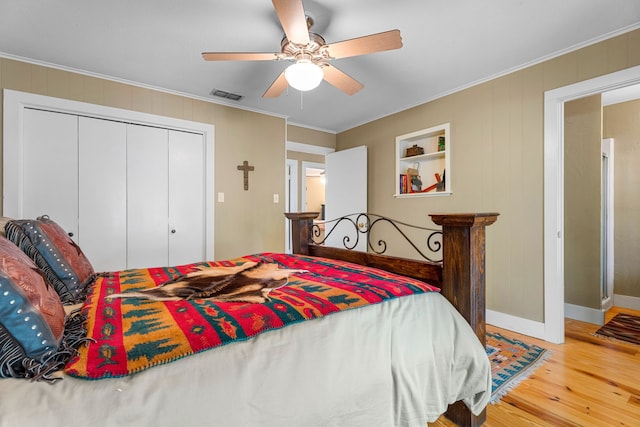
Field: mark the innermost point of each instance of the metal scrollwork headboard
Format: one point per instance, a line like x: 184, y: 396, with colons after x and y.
x: 364, y: 223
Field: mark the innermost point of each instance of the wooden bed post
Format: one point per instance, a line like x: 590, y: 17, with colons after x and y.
x: 463, y: 252
x: 301, y: 228
x: 461, y: 276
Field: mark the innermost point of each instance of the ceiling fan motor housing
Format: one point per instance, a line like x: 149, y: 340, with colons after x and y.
x: 312, y: 51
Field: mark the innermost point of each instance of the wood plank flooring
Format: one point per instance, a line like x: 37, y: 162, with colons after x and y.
x: 588, y: 381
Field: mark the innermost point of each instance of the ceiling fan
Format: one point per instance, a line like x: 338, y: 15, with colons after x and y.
x: 310, y: 53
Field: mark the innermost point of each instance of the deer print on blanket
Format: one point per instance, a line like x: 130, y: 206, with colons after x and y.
x: 249, y: 282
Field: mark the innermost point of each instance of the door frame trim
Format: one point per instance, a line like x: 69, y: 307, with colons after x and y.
x: 553, y: 234
x: 292, y: 187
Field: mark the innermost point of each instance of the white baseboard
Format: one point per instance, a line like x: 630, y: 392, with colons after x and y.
x: 584, y: 314
x: 516, y: 324
x: 537, y: 329
x: 626, y: 301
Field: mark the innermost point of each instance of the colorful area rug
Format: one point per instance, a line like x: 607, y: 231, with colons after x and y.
x: 624, y: 327
x: 511, y: 362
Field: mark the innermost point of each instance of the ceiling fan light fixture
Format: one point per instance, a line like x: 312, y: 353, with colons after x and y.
x: 304, y: 75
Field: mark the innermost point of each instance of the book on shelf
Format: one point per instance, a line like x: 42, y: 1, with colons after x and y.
x: 403, y: 183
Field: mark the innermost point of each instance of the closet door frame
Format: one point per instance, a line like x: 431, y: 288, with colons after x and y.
x: 15, y: 103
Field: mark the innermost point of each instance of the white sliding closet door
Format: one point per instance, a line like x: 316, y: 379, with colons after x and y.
x: 147, y: 197
x: 102, y: 190
x: 50, y: 168
x: 186, y: 198
x: 133, y: 189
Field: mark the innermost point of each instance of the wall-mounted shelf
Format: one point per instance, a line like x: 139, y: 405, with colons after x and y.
x: 433, y: 162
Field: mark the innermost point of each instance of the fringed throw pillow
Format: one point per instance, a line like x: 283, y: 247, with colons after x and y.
x: 62, y: 261
x: 36, y: 340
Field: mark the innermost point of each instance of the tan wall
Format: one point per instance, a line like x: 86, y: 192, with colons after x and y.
x: 311, y: 136
x: 582, y: 189
x: 248, y: 221
x: 497, y: 163
x: 622, y: 122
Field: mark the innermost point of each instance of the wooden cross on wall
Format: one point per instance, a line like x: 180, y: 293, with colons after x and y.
x: 245, y: 168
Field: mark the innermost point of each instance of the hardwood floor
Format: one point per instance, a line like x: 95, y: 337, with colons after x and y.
x: 588, y: 381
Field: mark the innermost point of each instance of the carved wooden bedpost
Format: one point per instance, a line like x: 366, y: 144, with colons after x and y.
x: 463, y: 251
x: 301, y: 228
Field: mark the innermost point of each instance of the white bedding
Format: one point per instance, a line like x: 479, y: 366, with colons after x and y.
x: 398, y: 363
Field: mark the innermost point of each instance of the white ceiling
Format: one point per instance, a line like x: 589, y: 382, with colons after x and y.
x: 448, y: 45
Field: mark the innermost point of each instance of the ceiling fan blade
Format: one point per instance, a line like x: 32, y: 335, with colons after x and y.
x: 293, y: 20
x: 341, y: 80
x: 388, y: 40
x: 238, y: 56
x: 277, y: 87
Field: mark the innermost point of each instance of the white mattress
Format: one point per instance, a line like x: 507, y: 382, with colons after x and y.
x: 398, y: 363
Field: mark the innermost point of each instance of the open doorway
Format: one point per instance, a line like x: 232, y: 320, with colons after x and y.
x: 345, y: 175
x: 305, y: 191
x: 300, y: 156
x: 554, y: 189
x: 313, y: 190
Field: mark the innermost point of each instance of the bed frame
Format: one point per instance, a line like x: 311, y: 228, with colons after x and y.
x: 460, y: 276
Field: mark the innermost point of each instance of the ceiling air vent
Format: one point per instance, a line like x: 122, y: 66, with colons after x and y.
x: 227, y: 95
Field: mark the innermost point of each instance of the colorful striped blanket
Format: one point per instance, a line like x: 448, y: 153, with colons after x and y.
x: 133, y: 334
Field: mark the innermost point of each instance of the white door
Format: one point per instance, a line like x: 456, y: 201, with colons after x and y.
x: 102, y: 192
x: 187, y: 237
x: 49, y: 168
x: 147, y: 197
x: 44, y: 174
x: 346, y: 193
x: 130, y: 195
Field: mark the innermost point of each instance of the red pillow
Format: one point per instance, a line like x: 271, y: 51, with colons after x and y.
x: 32, y: 318
x: 55, y: 253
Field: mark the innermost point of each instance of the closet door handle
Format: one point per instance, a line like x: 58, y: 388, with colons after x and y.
x: 173, y: 231
x: 70, y: 234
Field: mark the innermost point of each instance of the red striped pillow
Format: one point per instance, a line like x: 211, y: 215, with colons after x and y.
x: 56, y: 254
x: 32, y: 318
